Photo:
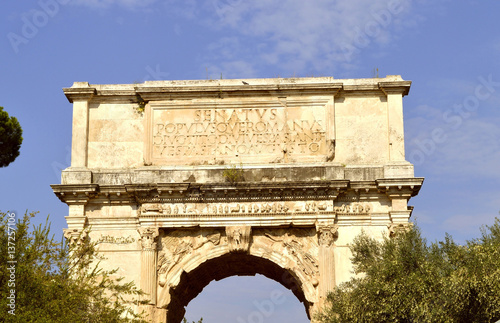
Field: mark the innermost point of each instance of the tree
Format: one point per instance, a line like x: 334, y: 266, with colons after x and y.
x: 50, y: 281
x: 184, y: 320
x: 10, y: 138
x: 404, y: 279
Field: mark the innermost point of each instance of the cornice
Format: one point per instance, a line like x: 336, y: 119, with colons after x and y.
x: 232, y: 192
x: 200, y: 193
x: 400, y: 187
x: 75, y: 193
x: 168, y: 90
x: 80, y: 91
x: 395, y: 87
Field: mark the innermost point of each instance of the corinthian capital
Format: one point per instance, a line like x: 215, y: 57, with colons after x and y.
x: 327, y: 234
x: 148, y: 237
x: 75, y: 236
x: 398, y: 228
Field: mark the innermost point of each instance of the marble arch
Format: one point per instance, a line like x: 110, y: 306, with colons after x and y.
x: 216, y: 266
x: 184, y: 182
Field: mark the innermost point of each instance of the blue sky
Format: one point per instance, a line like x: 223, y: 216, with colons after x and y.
x: 450, y: 50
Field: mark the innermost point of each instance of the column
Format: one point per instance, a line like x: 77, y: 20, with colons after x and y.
x: 326, y: 237
x: 148, y: 262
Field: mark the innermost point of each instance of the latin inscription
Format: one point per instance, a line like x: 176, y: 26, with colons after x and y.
x: 235, y: 132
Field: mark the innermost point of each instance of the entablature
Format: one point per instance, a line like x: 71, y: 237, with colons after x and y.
x: 140, y: 194
x: 169, y: 90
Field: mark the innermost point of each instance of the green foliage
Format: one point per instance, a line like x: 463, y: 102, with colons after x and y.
x: 233, y: 174
x: 404, y: 279
x: 186, y: 321
x: 10, y: 138
x: 57, y: 282
x: 141, y: 105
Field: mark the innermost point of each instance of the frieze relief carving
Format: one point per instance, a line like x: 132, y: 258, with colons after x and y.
x: 353, y: 208
x: 152, y: 207
x: 115, y: 240
x: 174, y: 209
x: 316, y: 206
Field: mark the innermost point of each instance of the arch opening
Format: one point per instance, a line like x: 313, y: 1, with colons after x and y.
x: 246, y: 299
x: 192, y: 283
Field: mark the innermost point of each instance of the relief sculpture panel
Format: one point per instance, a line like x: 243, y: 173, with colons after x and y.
x: 297, y: 248
x: 176, y: 245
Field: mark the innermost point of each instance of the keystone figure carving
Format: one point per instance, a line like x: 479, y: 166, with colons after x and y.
x: 239, y: 238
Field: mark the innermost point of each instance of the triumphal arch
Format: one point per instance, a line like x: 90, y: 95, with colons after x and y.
x: 185, y: 182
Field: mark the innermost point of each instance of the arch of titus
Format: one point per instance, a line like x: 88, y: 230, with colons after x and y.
x: 185, y: 182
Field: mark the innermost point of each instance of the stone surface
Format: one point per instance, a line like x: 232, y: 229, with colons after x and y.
x: 185, y: 182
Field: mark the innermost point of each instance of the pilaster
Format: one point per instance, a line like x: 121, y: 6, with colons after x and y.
x: 395, y: 92
x: 80, y: 94
x: 331, y: 130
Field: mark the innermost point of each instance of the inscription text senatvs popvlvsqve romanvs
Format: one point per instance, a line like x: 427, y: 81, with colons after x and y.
x: 230, y: 132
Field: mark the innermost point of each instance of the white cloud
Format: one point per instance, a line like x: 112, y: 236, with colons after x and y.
x: 303, y: 36
x: 473, y: 149
x: 231, y: 69
x: 226, y: 48
x: 189, y: 9
x: 310, y: 30
x: 461, y: 137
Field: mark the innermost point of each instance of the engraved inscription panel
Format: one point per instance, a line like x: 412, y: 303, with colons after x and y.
x: 231, y: 134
